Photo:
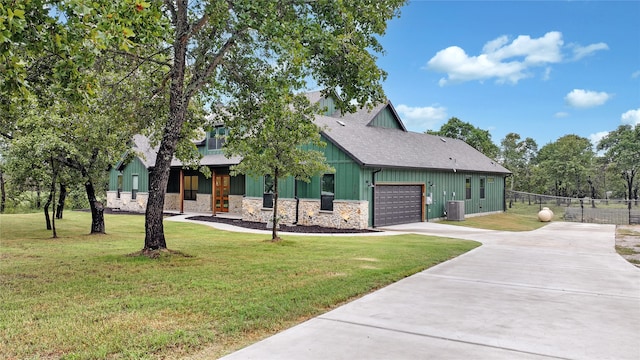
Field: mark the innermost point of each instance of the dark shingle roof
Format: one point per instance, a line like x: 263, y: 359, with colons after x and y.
x: 147, y: 154
x: 371, y: 146
x: 382, y: 147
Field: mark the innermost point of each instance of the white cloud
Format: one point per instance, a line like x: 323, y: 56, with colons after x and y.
x: 580, y: 52
x: 504, y: 60
x: 580, y: 98
x: 421, y: 118
x: 547, y: 74
x: 635, y: 74
x: 595, y: 138
x: 631, y: 117
x: 561, y: 114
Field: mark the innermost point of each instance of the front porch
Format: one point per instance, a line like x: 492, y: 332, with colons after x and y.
x: 190, y: 191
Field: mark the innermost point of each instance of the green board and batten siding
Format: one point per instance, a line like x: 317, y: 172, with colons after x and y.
x: 135, y: 167
x: 347, y: 182
x: 352, y: 183
x: 437, y: 183
x: 385, y: 119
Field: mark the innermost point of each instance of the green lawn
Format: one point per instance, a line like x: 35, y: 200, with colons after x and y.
x: 520, y: 217
x: 84, y: 297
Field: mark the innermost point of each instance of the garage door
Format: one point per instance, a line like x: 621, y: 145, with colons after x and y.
x: 397, y: 204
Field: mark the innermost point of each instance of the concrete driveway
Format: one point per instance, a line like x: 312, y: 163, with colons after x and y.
x: 560, y: 292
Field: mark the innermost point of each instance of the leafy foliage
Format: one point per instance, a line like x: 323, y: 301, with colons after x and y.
x: 273, y: 131
x: 622, y: 152
x: 519, y: 156
x: 476, y: 137
x: 566, y: 164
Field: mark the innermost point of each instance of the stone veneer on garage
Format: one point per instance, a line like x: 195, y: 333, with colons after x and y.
x: 346, y: 214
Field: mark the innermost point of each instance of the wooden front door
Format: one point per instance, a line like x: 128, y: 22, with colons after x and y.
x: 221, y: 193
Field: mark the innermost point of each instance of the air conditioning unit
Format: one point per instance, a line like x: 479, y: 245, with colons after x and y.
x: 455, y: 210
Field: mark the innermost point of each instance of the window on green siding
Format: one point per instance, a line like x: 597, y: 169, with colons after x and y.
x: 267, y: 197
x: 482, y: 186
x: 120, y: 181
x: 490, y: 180
x: 134, y: 187
x: 190, y: 187
x: 467, y: 188
x: 327, y: 192
x: 217, y: 138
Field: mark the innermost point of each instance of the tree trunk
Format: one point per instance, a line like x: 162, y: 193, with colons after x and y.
x: 178, y: 104
x: 3, y: 194
x: 52, y: 195
x: 274, y: 227
x: 38, y: 202
x: 46, y: 211
x: 61, y: 200
x: 97, y: 209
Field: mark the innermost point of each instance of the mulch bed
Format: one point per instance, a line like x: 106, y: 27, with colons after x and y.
x: 283, y: 228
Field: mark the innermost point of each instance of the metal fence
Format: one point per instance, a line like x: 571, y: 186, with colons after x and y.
x: 587, y: 210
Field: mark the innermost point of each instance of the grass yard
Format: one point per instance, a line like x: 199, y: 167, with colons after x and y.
x: 83, y: 297
x: 520, y: 217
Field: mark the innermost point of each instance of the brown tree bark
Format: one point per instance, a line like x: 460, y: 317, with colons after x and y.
x: 97, y: 209
x: 3, y: 193
x: 61, y: 199
x: 178, y: 103
x: 46, y: 211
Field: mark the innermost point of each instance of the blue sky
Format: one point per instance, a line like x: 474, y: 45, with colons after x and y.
x: 542, y: 69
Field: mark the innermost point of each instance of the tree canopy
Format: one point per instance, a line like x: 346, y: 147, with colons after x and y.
x: 476, y: 137
x: 518, y: 156
x: 220, y: 47
x: 622, y: 152
x: 274, y: 132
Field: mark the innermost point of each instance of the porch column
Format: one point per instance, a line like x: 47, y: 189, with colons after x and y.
x: 213, y: 192
x: 181, y: 191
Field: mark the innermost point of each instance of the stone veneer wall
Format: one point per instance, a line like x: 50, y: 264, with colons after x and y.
x: 346, y: 214
x: 172, y: 201
x: 201, y: 204
x: 125, y: 203
x: 235, y: 204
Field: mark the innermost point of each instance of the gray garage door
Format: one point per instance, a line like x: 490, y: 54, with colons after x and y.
x: 397, y: 204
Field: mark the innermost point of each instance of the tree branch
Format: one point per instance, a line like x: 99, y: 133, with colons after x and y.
x: 144, y: 59
x: 172, y: 11
x: 199, y: 79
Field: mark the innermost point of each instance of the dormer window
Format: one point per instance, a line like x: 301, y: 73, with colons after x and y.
x: 217, y: 138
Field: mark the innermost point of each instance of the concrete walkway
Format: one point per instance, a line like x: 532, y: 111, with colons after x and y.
x: 560, y: 292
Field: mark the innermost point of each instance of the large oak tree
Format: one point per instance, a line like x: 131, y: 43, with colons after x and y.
x: 217, y: 46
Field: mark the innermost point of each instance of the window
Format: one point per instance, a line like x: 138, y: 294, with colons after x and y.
x: 190, y: 187
x: 467, y: 188
x: 119, y: 189
x: 134, y: 186
x: 482, y: 187
x: 327, y: 188
x: 216, y: 138
x: 267, y: 197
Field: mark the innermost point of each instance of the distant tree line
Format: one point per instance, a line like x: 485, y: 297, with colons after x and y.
x: 571, y: 166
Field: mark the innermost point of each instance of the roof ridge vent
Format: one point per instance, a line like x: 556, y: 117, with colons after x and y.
x: 443, y: 139
x: 341, y: 122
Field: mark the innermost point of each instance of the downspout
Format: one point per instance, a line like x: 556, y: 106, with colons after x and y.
x: 373, y: 197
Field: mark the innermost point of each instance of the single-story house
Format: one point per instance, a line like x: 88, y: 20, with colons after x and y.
x: 384, y: 175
